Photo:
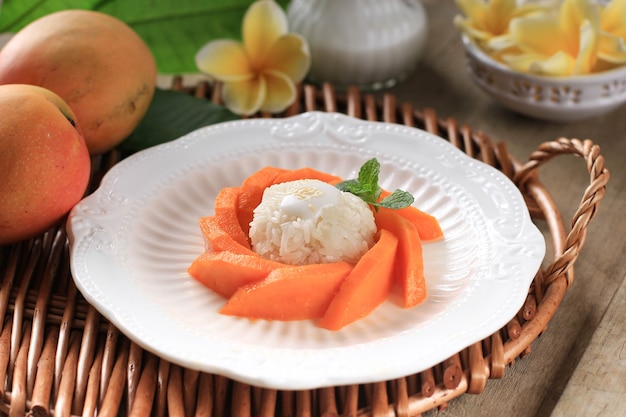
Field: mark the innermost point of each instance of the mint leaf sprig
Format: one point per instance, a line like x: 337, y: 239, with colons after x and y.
x: 366, y: 188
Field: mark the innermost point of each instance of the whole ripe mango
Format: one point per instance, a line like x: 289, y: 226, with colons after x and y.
x: 44, y: 161
x: 95, y: 62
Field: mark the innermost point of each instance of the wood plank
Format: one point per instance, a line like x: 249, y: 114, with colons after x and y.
x: 598, y: 386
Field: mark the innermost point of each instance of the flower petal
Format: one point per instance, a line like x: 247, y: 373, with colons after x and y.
x: 244, y: 97
x: 224, y: 60
x: 264, y: 22
x: 500, y: 13
x: 470, y: 29
x: 290, y: 55
x: 572, y: 15
x: 611, y: 48
x: 559, y: 64
x: 538, y: 34
x: 475, y: 10
x: 613, y: 18
x: 612, y: 40
x: 588, y: 46
x: 281, y: 92
x: 500, y: 43
x: 484, y: 20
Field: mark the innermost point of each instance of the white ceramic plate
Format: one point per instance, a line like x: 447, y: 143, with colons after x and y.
x: 133, y: 239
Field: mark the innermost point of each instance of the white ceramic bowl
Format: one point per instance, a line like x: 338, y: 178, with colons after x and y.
x: 559, y: 99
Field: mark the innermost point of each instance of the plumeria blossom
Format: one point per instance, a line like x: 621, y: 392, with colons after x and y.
x: 487, y: 22
x: 561, y: 43
x: 261, y: 72
x: 557, y: 38
x: 612, y: 42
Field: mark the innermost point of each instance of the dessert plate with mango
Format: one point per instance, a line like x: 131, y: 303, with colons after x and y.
x: 315, y: 250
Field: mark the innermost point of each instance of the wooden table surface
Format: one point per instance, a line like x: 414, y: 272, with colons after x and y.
x: 578, y: 366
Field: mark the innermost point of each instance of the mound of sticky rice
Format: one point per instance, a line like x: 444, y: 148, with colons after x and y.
x: 309, y: 221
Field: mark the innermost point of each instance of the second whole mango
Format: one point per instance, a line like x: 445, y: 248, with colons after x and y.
x: 95, y: 62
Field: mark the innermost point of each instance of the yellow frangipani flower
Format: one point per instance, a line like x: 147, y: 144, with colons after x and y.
x: 612, y: 42
x: 488, y: 21
x: 550, y: 37
x: 260, y: 73
x: 558, y: 44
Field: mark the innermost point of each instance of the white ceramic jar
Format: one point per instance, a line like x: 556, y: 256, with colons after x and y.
x: 369, y: 43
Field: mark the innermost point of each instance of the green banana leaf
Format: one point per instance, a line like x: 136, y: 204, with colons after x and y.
x: 173, y: 114
x: 173, y: 29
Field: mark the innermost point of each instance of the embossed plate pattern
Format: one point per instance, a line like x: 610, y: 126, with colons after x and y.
x: 134, y: 237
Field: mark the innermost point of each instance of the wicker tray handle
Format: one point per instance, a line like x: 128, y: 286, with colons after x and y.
x: 566, y: 250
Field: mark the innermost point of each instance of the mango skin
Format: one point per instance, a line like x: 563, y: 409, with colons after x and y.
x: 45, y: 166
x: 95, y: 62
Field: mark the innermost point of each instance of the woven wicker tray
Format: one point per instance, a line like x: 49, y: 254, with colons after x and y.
x: 58, y: 356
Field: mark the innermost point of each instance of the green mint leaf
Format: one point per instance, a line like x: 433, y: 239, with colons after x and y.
x: 350, y: 186
x: 355, y: 187
x: 377, y: 194
x: 366, y: 188
x: 397, y: 200
x: 368, y: 177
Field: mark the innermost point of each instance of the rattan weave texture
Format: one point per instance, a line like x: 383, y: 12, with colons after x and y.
x: 59, y: 357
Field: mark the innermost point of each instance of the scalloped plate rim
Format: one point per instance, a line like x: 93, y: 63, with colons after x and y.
x: 234, y: 352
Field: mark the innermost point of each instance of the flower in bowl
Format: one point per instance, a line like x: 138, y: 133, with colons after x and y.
x: 557, y: 61
x: 259, y: 73
x: 488, y: 21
